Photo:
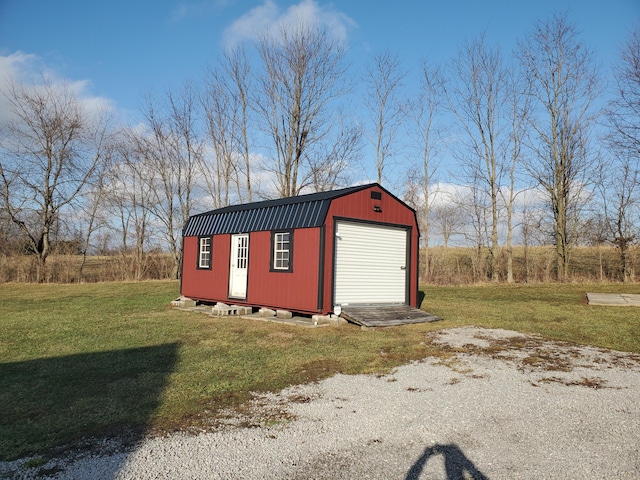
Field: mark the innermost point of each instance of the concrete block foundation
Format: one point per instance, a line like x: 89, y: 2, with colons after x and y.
x: 183, y: 302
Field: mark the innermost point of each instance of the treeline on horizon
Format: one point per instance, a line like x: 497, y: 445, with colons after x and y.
x: 546, y: 157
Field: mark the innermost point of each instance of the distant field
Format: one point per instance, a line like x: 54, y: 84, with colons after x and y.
x: 447, y: 266
x: 103, y: 358
x: 96, y: 268
x: 464, y: 265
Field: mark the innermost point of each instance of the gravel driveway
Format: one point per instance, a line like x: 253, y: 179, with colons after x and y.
x: 502, y: 406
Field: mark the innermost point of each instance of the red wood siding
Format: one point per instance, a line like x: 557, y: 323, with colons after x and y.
x: 360, y: 206
x: 296, y: 290
x: 201, y: 284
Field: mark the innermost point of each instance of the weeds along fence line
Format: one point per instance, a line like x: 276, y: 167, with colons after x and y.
x: 76, y: 269
x: 465, y: 265
x: 446, y: 266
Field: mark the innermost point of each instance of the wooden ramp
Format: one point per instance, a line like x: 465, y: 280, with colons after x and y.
x: 385, y: 315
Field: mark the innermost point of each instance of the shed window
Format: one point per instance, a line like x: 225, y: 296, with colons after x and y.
x: 282, y: 247
x: 204, y: 257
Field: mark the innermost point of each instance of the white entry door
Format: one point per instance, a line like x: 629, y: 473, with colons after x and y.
x: 239, y: 266
x: 371, y: 264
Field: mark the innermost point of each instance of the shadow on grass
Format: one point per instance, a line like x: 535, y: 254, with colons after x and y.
x: 456, y: 465
x: 50, y: 402
x: 421, y: 296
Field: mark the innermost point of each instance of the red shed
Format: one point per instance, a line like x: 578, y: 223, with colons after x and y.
x: 306, y: 254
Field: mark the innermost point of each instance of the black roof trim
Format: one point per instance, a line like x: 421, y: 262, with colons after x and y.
x: 302, y: 211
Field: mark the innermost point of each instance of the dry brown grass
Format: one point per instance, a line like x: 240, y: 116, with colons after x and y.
x: 447, y: 266
x: 66, y: 268
x: 464, y: 265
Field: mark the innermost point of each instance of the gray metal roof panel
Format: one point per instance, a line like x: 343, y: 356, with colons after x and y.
x: 303, y: 211
x: 283, y: 217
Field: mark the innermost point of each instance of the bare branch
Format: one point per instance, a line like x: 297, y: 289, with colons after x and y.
x: 386, y: 107
x: 563, y: 84
x: 50, y: 148
x: 303, y: 76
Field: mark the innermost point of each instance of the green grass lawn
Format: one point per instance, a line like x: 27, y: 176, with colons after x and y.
x: 95, y: 359
x: 556, y: 311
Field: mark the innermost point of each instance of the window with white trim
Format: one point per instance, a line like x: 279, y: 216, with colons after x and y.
x: 204, y: 256
x: 282, y: 246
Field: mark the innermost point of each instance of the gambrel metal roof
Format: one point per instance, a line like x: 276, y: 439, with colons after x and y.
x: 302, y: 211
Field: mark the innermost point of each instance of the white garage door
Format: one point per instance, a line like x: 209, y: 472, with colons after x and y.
x: 371, y: 264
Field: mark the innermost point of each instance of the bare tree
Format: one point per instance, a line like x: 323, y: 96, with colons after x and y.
x: 303, y: 75
x: 172, y: 150
x: 129, y: 198
x: 624, y: 112
x: 518, y: 111
x: 427, y: 135
x: 477, y: 100
x: 10, y: 235
x: 619, y: 191
x: 385, y: 105
x: 226, y: 106
x: 474, y: 211
x: 222, y: 171
x: 238, y: 70
x: 49, y: 149
x: 92, y: 209
x: 331, y: 169
x: 447, y: 220
x: 563, y: 83
x: 532, y: 217
x: 620, y: 186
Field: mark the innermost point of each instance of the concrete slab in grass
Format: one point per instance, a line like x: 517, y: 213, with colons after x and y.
x: 632, y: 298
x: 614, y: 299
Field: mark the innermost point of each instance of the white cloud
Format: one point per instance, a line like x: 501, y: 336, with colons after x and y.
x: 268, y: 17
x: 28, y: 70
x: 252, y: 24
x: 444, y: 193
x: 18, y: 67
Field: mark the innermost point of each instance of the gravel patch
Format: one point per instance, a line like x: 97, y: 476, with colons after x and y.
x: 500, y: 405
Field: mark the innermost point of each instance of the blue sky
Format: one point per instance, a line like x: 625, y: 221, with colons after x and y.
x: 119, y: 49
x: 115, y: 51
